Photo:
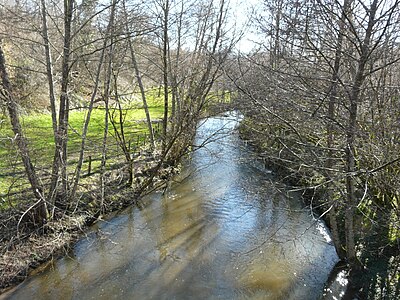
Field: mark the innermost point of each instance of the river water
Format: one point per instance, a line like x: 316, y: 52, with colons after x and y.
x: 223, y: 230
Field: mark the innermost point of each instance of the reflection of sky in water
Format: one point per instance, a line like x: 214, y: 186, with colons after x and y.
x: 324, y: 232
x: 224, y: 232
x: 337, y: 287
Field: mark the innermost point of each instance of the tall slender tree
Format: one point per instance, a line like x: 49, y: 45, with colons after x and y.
x: 106, y: 96
x: 139, y: 80
x: 39, y: 208
x: 60, y: 156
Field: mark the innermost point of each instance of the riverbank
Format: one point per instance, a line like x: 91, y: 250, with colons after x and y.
x: 378, y: 261
x: 25, y: 251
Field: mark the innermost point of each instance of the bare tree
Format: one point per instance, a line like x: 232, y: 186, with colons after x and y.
x: 165, y: 50
x: 60, y: 156
x: 333, y: 94
x: 39, y: 208
x: 140, y: 82
x: 106, y: 96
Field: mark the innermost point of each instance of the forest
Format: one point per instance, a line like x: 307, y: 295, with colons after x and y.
x: 100, y: 102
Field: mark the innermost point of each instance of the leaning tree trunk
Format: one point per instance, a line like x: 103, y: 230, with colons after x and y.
x: 120, y: 133
x: 140, y: 83
x: 39, y: 209
x: 49, y: 67
x: 78, y: 168
x: 143, y: 94
x: 50, y: 79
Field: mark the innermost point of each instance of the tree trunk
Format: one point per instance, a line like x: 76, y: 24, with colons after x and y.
x: 50, y: 79
x: 60, y: 156
x: 120, y: 134
x: 351, y: 138
x: 142, y: 93
x: 89, y: 113
x: 49, y: 68
x: 140, y: 83
x: 165, y: 72
x: 276, y: 49
x: 175, y: 105
x: 331, y: 117
x: 40, y: 209
x: 106, y: 105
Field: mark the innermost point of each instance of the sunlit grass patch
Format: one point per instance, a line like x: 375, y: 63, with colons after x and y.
x: 39, y: 133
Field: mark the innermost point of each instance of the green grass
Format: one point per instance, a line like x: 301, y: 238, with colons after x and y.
x: 218, y: 97
x: 39, y: 133
x: 38, y: 130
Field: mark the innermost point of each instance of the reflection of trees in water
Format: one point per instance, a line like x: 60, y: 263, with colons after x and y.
x: 378, y: 280
x: 181, y: 226
x: 379, y: 277
x: 183, y: 242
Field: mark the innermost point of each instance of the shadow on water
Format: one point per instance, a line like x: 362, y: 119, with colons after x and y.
x: 224, y: 232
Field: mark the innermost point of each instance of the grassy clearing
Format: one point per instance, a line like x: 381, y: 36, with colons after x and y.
x: 38, y: 130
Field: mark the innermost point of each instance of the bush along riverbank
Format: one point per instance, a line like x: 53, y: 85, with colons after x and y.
x: 375, y: 273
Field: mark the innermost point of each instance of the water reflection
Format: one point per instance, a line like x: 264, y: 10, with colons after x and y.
x: 224, y: 232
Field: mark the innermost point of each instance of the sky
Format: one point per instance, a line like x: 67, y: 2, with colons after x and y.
x: 241, y: 10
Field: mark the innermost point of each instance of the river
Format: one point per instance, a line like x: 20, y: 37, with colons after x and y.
x: 223, y: 230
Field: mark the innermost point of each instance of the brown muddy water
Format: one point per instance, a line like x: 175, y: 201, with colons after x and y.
x: 223, y: 230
